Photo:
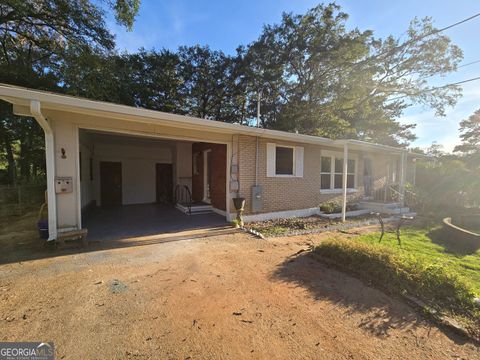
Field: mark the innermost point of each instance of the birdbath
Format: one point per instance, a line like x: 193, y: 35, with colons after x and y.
x: 239, y: 204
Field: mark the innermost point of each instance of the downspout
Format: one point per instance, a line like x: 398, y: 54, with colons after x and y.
x: 35, y: 110
x: 256, y: 145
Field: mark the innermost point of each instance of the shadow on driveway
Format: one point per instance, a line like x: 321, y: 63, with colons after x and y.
x: 380, y: 313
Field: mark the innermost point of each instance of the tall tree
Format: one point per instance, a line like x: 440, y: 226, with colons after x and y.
x: 36, y: 37
x: 211, y: 84
x: 330, y: 81
x: 470, y: 134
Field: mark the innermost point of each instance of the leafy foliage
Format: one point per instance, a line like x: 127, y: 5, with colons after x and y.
x: 470, y: 136
x: 37, y: 38
x: 314, y: 76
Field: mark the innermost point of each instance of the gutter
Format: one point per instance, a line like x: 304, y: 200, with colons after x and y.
x: 36, y: 111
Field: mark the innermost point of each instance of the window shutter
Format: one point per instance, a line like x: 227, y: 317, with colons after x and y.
x: 299, y: 161
x: 270, y: 160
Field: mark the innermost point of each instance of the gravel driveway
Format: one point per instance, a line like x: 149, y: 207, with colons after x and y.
x: 223, y: 297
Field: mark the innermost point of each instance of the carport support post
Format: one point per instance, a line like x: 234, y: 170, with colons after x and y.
x: 36, y: 112
x: 344, y: 178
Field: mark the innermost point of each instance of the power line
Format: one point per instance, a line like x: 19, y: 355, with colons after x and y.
x: 437, y: 88
x: 418, y: 38
x: 468, y: 64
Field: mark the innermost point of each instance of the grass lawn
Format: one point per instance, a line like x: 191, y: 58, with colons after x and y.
x: 423, y: 266
x: 418, y: 243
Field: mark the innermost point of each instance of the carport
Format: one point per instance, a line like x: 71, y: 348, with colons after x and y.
x: 133, y: 186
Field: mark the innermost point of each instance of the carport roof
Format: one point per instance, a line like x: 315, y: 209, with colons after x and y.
x: 21, y: 97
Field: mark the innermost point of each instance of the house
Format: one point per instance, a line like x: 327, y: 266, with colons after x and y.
x: 100, y: 154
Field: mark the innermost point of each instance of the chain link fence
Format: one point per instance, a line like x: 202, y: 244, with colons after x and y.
x: 16, y: 200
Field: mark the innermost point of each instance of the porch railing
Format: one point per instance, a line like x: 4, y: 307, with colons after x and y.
x: 183, y: 196
x: 391, y: 193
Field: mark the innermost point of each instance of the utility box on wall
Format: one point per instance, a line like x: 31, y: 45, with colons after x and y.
x: 257, y: 199
x: 63, y: 184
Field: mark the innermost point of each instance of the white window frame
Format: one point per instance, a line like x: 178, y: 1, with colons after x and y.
x: 337, y: 155
x: 298, y: 161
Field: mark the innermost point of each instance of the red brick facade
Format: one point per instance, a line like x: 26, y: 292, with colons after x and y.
x: 218, y: 189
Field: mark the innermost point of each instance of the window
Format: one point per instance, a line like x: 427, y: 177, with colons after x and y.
x: 331, y: 172
x: 326, y: 172
x: 283, y: 160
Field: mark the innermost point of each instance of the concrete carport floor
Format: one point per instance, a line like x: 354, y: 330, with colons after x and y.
x: 130, y: 221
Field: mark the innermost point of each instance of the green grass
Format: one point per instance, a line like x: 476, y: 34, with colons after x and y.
x: 418, y: 243
x: 445, y: 281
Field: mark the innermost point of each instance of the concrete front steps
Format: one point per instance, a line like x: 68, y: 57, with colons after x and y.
x: 196, y: 209
x: 386, y: 208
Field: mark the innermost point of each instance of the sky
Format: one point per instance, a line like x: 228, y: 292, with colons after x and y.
x: 226, y: 24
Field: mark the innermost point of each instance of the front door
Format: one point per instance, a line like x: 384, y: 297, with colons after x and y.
x: 164, y: 183
x: 111, y: 183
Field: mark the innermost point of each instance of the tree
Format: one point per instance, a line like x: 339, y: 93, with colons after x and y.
x: 470, y: 134
x: 326, y: 80
x: 36, y: 38
x: 211, y: 84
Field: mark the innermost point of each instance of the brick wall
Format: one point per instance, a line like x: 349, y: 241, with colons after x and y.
x: 218, y: 177
x: 292, y: 193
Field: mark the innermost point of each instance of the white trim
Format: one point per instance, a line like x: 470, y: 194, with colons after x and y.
x: 337, y: 191
x: 298, y: 155
x: 281, y: 214
x: 352, y: 213
x: 36, y: 111
x: 333, y: 155
x: 149, y: 135
x: 20, y: 97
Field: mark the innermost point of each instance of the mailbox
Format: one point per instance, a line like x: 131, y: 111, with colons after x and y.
x: 63, y: 184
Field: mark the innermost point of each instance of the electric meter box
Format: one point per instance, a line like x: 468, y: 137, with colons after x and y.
x: 63, y: 184
x: 257, y: 199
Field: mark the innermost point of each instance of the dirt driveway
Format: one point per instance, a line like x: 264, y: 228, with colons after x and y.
x: 224, y: 297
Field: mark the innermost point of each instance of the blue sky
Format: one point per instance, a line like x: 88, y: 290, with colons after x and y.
x: 223, y: 25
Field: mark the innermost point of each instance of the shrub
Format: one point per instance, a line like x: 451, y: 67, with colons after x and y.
x: 402, y: 273
x: 330, y: 207
x: 333, y: 207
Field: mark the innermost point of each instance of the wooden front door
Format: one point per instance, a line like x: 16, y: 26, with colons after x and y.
x: 111, y: 183
x: 164, y: 183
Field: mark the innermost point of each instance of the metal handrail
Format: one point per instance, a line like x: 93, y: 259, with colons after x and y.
x: 183, y: 195
x: 408, y: 197
x: 389, y: 193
